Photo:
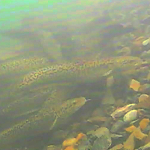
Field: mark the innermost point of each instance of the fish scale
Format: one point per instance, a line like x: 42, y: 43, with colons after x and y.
x: 21, y: 64
x: 55, y: 111
x: 33, y: 100
x: 79, y: 71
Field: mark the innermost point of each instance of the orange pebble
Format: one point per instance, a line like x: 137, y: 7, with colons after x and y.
x: 130, y: 129
x: 70, y: 148
x: 138, y: 134
x: 135, y: 85
x: 143, y: 123
x: 80, y: 136
x: 129, y: 144
x: 69, y: 142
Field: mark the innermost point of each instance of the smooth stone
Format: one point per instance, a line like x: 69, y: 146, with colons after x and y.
x: 118, y: 126
x: 103, y: 141
x: 130, y: 116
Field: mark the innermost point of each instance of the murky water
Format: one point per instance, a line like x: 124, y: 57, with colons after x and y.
x: 70, y: 72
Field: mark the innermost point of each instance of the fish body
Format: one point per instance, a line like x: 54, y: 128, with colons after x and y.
x: 46, y: 119
x: 55, y: 111
x: 23, y: 103
x: 80, y: 72
x: 21, y: 64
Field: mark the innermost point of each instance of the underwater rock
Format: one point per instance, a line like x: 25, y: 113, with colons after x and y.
x: 83, y: 144
x: 135, y: 85
x: 53, y: 147
x: 129, y: 144
x: 138, y: 41
x: 145, y: 54
x: 145, y: 147
x: 116, y: 136
x: 130, y: 129
x: 103, y: 141
x: 139, y: 134
x: 97, y: 119
x: 144, y: 123
x: 69, y: 142
x: 130, y: 116
x: 118, y: 126
x: 121, y: 111
x: 146, y: 42
x: 73, y: 141
x: 117, y: 147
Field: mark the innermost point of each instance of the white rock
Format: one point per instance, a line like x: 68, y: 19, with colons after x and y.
x: 130, y: 116
x: 146, y: 42
x: 121, y: 111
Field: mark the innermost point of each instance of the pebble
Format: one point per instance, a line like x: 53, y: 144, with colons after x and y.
x: 103, y: 141
x: 143, y: 97
x: 118, y: 125
x: 121, y: 111
x: 145, y: 147
x: 130, y: 116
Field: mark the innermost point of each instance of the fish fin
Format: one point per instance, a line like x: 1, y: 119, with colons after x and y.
x: 54, y: 123
x: 108, y: 73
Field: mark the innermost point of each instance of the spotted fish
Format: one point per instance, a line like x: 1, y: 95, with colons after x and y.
x: 32, y: 100
x: 46, y: 119
x: 84, y: 71
x: 21, y: 64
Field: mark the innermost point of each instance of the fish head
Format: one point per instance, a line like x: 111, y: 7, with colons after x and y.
x: 77, y: 103
x: 72, y: 105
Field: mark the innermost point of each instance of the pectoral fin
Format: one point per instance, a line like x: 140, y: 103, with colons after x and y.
x: 54, y: 123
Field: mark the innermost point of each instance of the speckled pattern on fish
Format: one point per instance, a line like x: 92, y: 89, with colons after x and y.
x: 82, y: 70
x: 47, y: 118
x: 21, y: 64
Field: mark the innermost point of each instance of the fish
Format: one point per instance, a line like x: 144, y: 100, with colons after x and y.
x: 80, y: 72
x: 21, y: 64
x: 47, y: 119
x: 23, y: 104
x: 12, y: 70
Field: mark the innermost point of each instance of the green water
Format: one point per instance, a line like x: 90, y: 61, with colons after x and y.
x: 63, y: 62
